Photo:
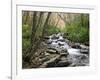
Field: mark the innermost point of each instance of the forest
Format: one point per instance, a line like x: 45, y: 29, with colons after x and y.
x: 54, y: 39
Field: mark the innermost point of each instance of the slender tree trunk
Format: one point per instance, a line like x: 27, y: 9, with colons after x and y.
x: 33, y: 29
x: 34, y: 41
x: 26, y: 18
x: 46, y: 23
x: 57, y: 22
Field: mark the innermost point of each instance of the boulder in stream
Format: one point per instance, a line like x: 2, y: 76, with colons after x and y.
x: 63, y: 63
x: 52, y: 51
x: 76, y: 46
x: 84, y: 51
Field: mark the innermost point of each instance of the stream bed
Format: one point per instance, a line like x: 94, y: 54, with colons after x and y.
x: 61, y: 52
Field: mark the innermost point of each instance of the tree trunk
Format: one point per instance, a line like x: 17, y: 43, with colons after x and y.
x: 26, y: 18
x: 46, y: 23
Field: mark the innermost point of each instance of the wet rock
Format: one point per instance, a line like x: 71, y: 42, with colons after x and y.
x: 47, y: 54
x: 45, y: 59
x: 86, y: 43
x: 49, y: 41
x: 67, y: 41
x: 84, y: 47
x: 51, y: 51
x: 60, y: 44
x: 54, y: 36
x: 64, y: 50
x: 64, y: 54
x: 61, y: 38
x: 55, y: 40
x: 79, y: 60
x: 54, y: 45
x: 83, y: 57
x: 63, y: 58
x: 59, y: 50
x: 51, y: 62
x: 63, y: 63
x: 78, y: 64
x: 72, y: 65
x: 43, y: 44
x: 76, y: 45
x: 84, y: 51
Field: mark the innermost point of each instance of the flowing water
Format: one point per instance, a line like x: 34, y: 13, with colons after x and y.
x: 57, y: 42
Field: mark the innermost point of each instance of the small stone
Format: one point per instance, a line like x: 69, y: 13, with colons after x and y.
x: 45, y: 59
x: 49, y: 41
x: 62, y: 40
x: 84, y: 51
x: 51, y: 51
x: 60, y: 44
x: 84, y: 47
x: 63, y: 54
x: 47, y: 54
x: 63, y: 58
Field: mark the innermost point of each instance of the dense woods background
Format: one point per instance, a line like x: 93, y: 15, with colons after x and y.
x: 37, y: 25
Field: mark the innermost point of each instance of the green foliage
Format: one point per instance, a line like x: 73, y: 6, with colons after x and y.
x: 26, y: 32
x: 53, y: 30
x: 78, y: 30
x: 78, y: 34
